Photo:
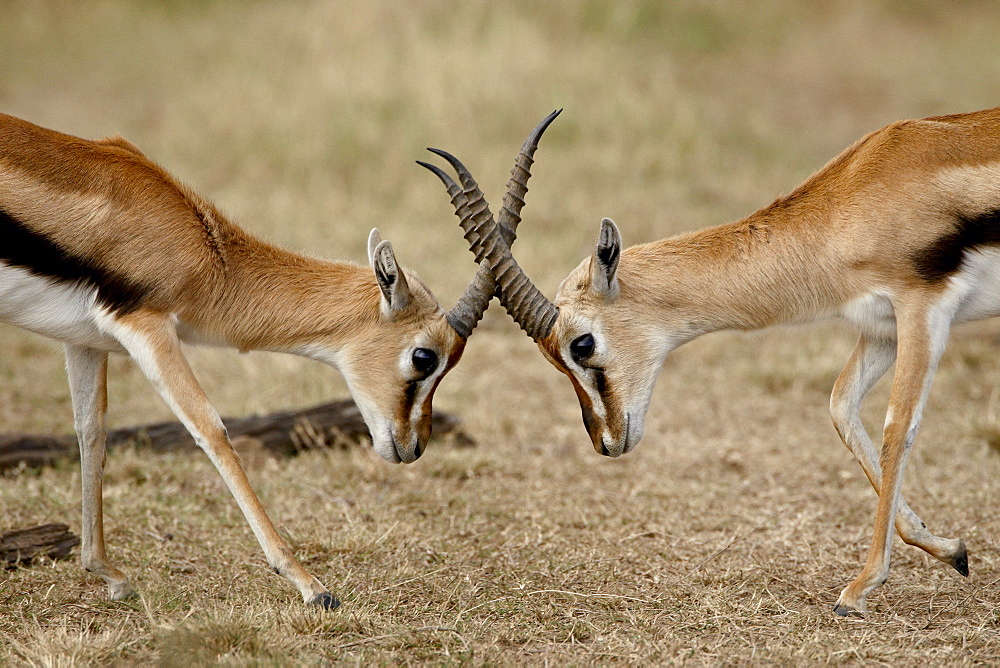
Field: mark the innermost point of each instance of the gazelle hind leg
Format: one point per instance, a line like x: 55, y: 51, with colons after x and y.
x: 152, y: 342
x: 871, y: 358
x: 922, y: 331
x: 87, y: 370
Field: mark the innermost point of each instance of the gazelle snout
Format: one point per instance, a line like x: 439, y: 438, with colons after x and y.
x: 395, y: 442
x: 400, y: 435
x: 400, y: 443
x: 397, y: 449
x: 616, y: 445
x: 408, y: 451
x: 608, y: 440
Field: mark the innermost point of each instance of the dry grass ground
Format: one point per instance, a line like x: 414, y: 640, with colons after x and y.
x: 724, y: 539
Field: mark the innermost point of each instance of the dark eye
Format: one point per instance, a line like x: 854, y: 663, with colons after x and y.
x: 424, y: 360
x: 582, y: 347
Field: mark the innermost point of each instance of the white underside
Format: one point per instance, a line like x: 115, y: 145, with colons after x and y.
x: 66, y: 312
x: 62, y: 311
x: 979, y: 286
x: 973, y: 293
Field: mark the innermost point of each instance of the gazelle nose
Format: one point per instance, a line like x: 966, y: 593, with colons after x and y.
x: 614, y: 451
x: 417, y: 451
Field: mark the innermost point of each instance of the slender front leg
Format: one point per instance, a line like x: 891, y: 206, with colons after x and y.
x: 921, y: 335
x: 87, y: 370
x: 871, y: 358
x: 152, y: 342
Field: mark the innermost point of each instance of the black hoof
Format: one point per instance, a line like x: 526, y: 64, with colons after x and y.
x: 847, y: 611
x: 325, y: 600
x: 961, y: 561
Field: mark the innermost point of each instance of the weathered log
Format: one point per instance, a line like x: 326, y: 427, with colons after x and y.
x: 35, y: 451
x: 19, y: 546
x: 287, y: 433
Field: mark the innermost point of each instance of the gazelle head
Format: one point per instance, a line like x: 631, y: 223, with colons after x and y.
x: 594, y: 333
x: 400, y: 362
x: 401, y: 352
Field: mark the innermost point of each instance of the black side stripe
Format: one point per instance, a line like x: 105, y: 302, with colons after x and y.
x: 24, y: 248
x: 943, y: 257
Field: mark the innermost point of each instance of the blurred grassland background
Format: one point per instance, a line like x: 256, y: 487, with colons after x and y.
x: 724, y: 538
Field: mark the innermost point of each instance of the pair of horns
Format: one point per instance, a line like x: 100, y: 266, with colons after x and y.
x: 490, y: 242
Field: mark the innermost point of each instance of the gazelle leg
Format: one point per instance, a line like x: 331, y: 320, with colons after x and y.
x: 921, y: 334
x: 871, y: 358
x: 87, y: 370
x: 152, y: 342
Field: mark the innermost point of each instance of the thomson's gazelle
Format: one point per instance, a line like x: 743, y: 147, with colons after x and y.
x: 102, y: 249
x: 899, y: 234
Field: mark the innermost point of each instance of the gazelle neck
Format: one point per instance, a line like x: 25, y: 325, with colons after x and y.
x: 769, y: 268
x: 277, y: 300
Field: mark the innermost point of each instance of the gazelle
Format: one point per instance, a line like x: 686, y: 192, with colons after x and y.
x: 102, y: 249
x: 899, y: 234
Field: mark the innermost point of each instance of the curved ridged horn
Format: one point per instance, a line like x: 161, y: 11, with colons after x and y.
x: 477, y: 222
x: 517, y: 185
x: 469, y: 309
x: 526, y: 304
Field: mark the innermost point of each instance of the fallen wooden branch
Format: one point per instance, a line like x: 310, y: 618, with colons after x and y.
x: 334, y: 424
x: 20, y: 546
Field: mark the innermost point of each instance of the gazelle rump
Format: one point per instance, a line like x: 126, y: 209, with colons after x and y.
x: 102, y: 249
x: 898, y: 234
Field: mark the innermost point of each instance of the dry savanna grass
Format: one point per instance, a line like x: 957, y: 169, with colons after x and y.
x: 725, y: 538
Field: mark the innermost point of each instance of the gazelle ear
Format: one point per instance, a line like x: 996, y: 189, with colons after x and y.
x: 604, y: 263
x: 392, y: 282
x: 373, y: 241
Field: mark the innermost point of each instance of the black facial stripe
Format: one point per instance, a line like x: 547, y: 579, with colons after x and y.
x: 602, y: 383
x: 944, y: 256
x: 409, y: 396
x: 27, y: 249
x: 612, y: 408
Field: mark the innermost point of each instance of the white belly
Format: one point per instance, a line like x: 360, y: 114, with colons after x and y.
x: 872, y: 314
x: 61, y: 311
x: 973, y: 293
x: 979, y: 279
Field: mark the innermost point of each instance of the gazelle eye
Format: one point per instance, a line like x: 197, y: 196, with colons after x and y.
x: 582, y: 347
x: 424, y: 360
